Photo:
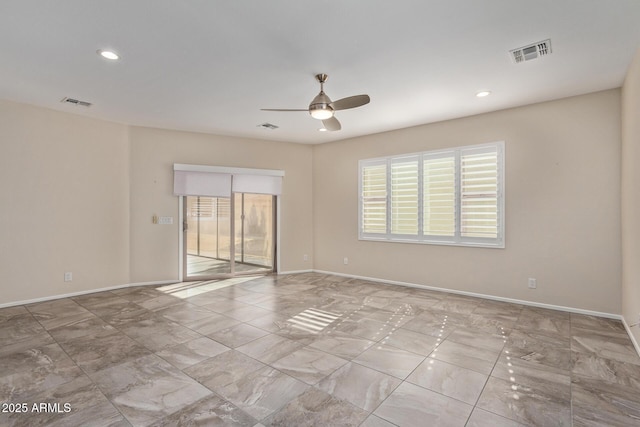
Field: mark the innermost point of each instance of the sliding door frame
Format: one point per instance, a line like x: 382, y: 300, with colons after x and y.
x: 182, y: 237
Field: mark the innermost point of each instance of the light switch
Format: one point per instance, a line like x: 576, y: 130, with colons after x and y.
x: 165, y: 220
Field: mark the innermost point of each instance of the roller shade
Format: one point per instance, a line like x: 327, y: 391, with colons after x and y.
x: 220, y: 181
x: 189, y: 183
x: 259, y: 184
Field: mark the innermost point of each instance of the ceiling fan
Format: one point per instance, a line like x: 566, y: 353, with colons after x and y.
x: 322, y: 108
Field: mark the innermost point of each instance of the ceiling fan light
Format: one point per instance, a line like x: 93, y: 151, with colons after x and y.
x: 321, y: 112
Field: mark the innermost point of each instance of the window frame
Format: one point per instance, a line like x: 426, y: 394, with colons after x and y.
x: 457, y: 239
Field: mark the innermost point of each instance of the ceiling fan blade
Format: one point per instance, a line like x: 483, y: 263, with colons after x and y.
x: 332, y: 124
x: 284, y: 109
x: 350, y: 102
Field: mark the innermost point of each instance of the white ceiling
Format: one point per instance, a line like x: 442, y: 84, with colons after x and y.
x: 211, y: 65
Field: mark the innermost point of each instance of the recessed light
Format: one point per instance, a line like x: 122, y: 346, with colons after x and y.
x: 108, y: 54
x: 483, y: 93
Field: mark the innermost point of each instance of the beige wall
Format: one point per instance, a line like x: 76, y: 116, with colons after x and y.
x: 562, y: 206
x: 154, y: 248
x: 64, y: 184
x: 631, y: 197
x: 79, y: 195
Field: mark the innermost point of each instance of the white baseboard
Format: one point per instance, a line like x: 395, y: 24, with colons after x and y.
x: 631, y: 335
x: 294, y: 272
x: 477, y: 295
x: 91, y: 291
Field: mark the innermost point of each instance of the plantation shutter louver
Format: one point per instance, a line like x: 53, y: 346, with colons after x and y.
x: 374, y: 198
x: 439, y: 195
x: 479, y: 193
x: 404, y: 196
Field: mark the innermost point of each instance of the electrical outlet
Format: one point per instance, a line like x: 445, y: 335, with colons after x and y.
x: 305, y: 257
x: 533, y: 283
x: 68, y: 276
x: 346, y: 260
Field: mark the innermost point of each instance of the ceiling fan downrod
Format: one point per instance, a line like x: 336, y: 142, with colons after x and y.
x: 320, y: 107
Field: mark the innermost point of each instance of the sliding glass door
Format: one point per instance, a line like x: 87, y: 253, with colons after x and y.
x: 254, y: 242
x: 207, y: 236
x: 209, y: 224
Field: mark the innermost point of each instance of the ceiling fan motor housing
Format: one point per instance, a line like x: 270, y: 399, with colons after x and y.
x: 320, y: 107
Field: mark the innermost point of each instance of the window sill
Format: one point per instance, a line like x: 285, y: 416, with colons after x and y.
x: 497, y: 245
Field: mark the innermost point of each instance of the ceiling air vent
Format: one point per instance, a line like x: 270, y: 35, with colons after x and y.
x: 533, y: 51
x: 77, y: 102
x: 269, y: 126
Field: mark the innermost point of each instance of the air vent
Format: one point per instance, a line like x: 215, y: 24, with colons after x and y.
x: 269, y: 126
x: 533, y: 51
x: 77, y: 102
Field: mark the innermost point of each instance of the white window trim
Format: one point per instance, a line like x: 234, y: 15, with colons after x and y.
x: 457, y: 240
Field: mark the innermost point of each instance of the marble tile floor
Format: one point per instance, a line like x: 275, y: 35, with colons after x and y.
x: 310, y: 350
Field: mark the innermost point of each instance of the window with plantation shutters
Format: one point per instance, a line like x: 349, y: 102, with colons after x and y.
x: 451, y: 197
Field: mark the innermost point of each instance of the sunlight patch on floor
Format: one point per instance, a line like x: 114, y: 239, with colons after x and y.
x: 190, y: 289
